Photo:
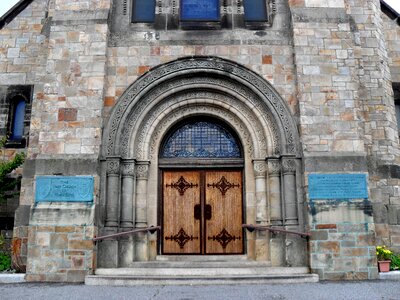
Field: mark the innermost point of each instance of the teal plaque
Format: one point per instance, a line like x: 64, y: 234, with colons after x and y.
x: 64, y: 188
x: 337, y: 186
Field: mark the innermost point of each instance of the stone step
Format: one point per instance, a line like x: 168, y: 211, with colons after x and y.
x: 200, y: 264
x: 199, y: 280
x: 216, y: 270
x: 193, y: 258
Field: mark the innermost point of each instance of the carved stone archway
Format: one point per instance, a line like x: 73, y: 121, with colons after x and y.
x: 198, y: 86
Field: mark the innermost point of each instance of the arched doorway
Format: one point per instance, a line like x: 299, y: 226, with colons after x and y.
x: 135, y: 174
x: 201, y: 164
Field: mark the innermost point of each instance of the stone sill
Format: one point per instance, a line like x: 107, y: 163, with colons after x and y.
x: 12, y: 278
x: 392, y: 275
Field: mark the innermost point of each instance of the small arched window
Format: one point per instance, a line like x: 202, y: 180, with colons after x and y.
x: 17, y: 121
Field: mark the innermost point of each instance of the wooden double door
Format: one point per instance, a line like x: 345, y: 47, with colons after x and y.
x: 202, y: 212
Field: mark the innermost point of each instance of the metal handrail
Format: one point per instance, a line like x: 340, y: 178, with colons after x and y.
x: 251, y: 228
x: 150, y: 229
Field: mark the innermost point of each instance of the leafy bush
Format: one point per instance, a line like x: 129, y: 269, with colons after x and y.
x: 5, y: 261
x: 395, y: 262
x: 6, y: 167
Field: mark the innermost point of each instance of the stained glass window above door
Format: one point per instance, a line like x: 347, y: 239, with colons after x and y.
x: 200, y: 139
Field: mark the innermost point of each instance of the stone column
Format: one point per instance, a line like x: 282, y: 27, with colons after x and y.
x: 128, y: 196
x: 113, y: 169
x: 142, y: 173
x: 277, y: 241
x: 262, y: 237
x: 274, y: 189
x: 125, y: 244
x: 261, y: 193
x: 289, y: 187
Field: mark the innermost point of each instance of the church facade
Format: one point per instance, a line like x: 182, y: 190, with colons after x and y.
x: 205, y: 120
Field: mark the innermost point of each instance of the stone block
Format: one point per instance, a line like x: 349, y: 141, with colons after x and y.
x: 59, y: 241
x: 354, y: 251
x: 80, y: 245
x: 43, y: 239
x: 76, y: 275
x: 328, y: 247
x: 67, y: 114
x: 319, y: 235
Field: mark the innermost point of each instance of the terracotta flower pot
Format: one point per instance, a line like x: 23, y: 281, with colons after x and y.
x: 384, y: 265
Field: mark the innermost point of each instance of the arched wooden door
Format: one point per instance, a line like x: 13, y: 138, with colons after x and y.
x: 202, y: 191
x: 202, y: 212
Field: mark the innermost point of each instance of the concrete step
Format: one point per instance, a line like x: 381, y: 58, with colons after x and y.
x: 202, y: 258
x: 178, y: 273
x: 199, y: 264
x: 202, y: 271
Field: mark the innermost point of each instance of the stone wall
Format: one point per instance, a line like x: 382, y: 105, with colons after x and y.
x: 60, y: 253
x: 329, y: 60
x: 392, y: 36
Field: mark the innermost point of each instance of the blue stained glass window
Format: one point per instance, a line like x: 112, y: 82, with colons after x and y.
x: 17, y: 128
x: 200, y: 10
x: 255, y: 10
x: 201, y: 140
x: 143, y: 11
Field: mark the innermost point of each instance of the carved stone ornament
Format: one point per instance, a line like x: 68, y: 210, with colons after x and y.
x: 274, y: 167
x: 113, y: 166
x: 206, y: 103
x: 259, y: 168
x: 142, y: 170
x: 289, y: 166
x: 133, y: 103
x: 128, y: 168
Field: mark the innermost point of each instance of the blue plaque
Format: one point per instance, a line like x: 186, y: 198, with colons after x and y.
x: 64, y: 188
x: 337, y: 186
x: 200, y: 10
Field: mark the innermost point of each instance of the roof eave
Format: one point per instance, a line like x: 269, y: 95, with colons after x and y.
x: 13, y: 12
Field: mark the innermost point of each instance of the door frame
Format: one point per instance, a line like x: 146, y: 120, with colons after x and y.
x: 223, y: 165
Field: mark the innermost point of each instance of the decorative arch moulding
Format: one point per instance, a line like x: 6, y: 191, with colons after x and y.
x: 233, y: 77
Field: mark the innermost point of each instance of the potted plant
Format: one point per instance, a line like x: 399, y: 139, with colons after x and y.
x: 384, y: 258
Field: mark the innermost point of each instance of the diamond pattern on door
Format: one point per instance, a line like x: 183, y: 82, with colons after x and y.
x: 202, y: 212
x: 181, y: 231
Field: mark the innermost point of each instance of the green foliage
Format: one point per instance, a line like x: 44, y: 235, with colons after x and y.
x: 395, y: 264
x: 5, y: 257
x: 6, y: 167
x: 5, y: 261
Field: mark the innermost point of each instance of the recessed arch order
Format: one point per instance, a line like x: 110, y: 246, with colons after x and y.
x: 200, y: 85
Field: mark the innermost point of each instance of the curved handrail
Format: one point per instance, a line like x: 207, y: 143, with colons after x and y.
x: 150, y: 229
x: 251, y: 228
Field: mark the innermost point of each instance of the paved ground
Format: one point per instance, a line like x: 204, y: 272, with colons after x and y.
x: 315, y: 291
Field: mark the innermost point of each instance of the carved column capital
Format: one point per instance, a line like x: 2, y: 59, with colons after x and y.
x: 289, y: 165
x: 128, y: 167
x: 142, y: 169
x: 113, y: 165
x: 260, y: 167
x: 274, y: 167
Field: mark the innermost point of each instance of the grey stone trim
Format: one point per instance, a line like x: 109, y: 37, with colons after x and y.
x: 67, y: 167
x: 320, y: 15
x: 334, y: 163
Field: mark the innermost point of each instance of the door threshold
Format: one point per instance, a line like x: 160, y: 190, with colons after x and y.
x: 230, y: 257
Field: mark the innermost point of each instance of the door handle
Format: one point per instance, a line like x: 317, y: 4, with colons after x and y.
x: 197, y: 211
x: 207, y: 212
